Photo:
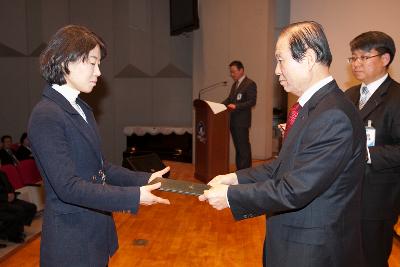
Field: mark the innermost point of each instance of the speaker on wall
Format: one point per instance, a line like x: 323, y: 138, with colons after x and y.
x: 150, y: 162
x: 183, y: 16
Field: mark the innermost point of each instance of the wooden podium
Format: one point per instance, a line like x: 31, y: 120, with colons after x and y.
x: 212, y: 142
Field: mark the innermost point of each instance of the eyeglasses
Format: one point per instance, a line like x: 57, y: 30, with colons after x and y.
x: 362, y: 59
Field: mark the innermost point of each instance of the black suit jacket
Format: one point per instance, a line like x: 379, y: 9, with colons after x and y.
x: 5, y: 188
x: 381, y: 190
x: 6, y: 158
x: 244, y: 97
x: 24, y: 153
x: 312, y: 192
x: 78, y: 228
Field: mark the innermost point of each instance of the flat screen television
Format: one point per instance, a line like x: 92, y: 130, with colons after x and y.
x: 184, y: 16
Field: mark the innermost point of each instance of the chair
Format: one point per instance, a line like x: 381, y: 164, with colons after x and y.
x: 149, y: 162
x: 14, y: 147
x: 13, y: 175
x: 29, y: 172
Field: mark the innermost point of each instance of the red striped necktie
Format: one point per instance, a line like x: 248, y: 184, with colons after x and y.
x: 293, y: 113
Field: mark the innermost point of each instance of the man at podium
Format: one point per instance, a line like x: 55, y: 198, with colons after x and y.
x: 241, y: 99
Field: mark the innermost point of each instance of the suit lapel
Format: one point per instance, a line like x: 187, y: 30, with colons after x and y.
x: 91, y: 122
x: 376, y: 99
x: 84, y: 128
x: 354, y: 95
x: 305, y: 111
x: 241, y: 85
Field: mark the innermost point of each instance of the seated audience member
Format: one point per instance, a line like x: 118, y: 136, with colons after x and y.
x: 7, y: 156
x: 13, y: 211
x: 11, y: 228
x: 24, y: 150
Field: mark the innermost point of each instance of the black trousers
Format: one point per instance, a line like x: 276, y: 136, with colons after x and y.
x: 23, y: 210
x: 10, y: 225
x: 240, y: 137
x: 377, y: 240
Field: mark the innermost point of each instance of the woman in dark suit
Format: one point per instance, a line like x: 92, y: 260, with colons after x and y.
x: 82, y: 188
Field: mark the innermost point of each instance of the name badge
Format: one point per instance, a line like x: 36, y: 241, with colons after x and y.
x: 239, y: 96
x: 370, y: 131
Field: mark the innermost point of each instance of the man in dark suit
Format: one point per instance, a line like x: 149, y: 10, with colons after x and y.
x: 7, y: 155
x: 378, y: 100
x: 311, y: 194
x: 18, y: 211
x: 241, y: 99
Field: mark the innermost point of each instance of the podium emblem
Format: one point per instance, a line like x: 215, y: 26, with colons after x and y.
x: 201, y: 132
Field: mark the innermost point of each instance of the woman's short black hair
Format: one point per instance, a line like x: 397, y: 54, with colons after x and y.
x: 308, y: 35
x: 69, y: 44
x: 377, y: 40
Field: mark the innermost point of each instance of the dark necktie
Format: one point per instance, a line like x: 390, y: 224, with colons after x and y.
x: 236, y: 85
x: 293, y: 113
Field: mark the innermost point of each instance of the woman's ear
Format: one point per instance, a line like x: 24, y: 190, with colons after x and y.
x: 64, y: 68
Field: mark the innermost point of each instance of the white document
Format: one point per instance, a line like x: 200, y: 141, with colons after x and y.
x: 216, y: 107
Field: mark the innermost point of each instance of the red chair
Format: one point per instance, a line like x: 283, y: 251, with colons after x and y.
x: 13, y: 175
x: 28, y: 171
x: 14, y: 147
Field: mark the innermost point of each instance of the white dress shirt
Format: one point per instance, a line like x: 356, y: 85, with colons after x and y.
x: 240, y: 80
x: 372, y: 87
x: 70, y: 94
x: 313, y: 89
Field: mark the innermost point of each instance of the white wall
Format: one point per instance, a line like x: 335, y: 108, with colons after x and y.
x: 238, y: 30
x: 343, y: 20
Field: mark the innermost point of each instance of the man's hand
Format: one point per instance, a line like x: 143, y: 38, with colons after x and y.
x: 11, y: 197
x: 282, y: 128
x: 227, y: 179
x: 147, y: 198
x: 216, y: 196
x: 231, y: 106
x: 159, y: 174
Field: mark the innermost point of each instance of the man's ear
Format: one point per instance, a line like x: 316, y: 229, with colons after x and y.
x: 385, y: 58
x: 310, y: 58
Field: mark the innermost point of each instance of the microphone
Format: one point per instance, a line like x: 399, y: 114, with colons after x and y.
x: 223, y: 83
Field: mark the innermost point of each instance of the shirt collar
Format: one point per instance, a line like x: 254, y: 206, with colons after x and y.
x: 372, y: 87
x: 241, y: 80
x: 68, y: 92
x: 313, y: 89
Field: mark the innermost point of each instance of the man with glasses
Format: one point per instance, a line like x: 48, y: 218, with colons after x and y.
x: 378, y: 100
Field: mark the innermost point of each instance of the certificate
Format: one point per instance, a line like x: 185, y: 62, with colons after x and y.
x: 181, y: 187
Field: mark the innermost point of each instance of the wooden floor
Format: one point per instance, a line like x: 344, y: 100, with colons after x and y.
x: 186, y: 233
